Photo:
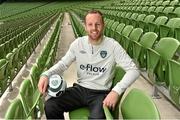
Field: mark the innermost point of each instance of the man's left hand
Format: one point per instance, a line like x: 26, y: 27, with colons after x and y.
x: 111, y: 100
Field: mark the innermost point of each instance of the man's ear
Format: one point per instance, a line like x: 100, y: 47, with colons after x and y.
x: 85, y: 26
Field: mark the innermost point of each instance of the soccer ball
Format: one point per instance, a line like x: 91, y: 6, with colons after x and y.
x: 57, y: 85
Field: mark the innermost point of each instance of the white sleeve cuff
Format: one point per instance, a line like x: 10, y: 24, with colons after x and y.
x: 127, y: 80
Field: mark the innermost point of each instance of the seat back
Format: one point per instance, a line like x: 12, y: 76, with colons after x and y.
x: 174, y: 81
x: 167, y: 47
x: 15, y: 110
x: 35, y: 73
x: 2, y: 49
x: 148, y: 39
x: 134, y: 36
x: 161, y: 20
x: 113, y: 28
x: 149, y: 18
x: 3, y: 75
x: 30, y: 98
x: 138, y: 105
x: 174, y: 2
x: 26, y: 95
x: 177, y: 11
x: 139, y: 49
x: 118, y: 31
x: 125, y: 33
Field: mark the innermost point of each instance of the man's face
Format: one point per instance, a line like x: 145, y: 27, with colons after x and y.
x: 94, y: 26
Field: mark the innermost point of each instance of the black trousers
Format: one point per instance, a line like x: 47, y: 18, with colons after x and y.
x: 76, y: 97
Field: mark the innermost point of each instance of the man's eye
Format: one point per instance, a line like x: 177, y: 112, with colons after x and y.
x: 98, y: 24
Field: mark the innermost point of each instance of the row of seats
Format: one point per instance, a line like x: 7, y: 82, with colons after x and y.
x: 150, y: 54
x: 12, y: 24
x: 161, y: 25
x: 18, y: 57
x: 12, y: 40
x: 148, y: 3
x: 29, y: 104
x: 10, y: 9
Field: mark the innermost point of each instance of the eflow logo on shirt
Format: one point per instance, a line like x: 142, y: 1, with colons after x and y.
x: 91, y: 68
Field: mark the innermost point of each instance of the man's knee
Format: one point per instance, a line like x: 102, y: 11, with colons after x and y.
x: 52, y: 110
x: 97, y: 114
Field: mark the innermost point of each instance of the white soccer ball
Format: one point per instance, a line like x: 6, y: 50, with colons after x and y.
x: 57, y: 85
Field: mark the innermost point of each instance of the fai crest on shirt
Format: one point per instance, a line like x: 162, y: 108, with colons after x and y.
x: 103, y: 53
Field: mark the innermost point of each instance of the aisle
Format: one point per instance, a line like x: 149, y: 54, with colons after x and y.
x: 66, y: 38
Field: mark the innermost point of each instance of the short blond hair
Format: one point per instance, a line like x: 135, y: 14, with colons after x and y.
x: 94, y: 12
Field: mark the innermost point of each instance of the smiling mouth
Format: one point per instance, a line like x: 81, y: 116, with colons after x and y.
x: 94, y: 32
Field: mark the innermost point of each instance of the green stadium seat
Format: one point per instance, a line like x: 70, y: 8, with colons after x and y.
x: 113, y: 29
x: 3, y: 75
x: 132, y: 17
x: 166, y: 11
x: 30, y: 99
x: 150, y: 9
x: 83, y: 113
x: 174, y: 82
x: 16, y: 59
x: 139, y: 48
x: 167, y: 30
x: 2, y: 49
x: 166, y: 3
x: 108, y: 27
x: 157, y: 59
x: 134, y: 36
x: 157, y: 10
x: 135, y: 22
x: 118, y: 31
x: 107, y: 113
x: 15, y: 110
x: 175, y: 13
x: 125, y: 33
x: 144, y: 24
x: 138, y: 105
x: 10, y: 70
x: 159, y: 3
x: 144, y: 9
x: 154, y: 26
x: 35, y: 74
x: 177, y: 33
x: 174, y: 3
x: 123, y: 14
x: 127, y: 16
x: 138, y: 9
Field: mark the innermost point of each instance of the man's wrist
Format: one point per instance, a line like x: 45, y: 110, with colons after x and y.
x: 44, y: 75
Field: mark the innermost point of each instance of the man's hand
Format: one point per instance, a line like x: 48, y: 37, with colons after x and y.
x: 111, y: 100
x: 43, y: 83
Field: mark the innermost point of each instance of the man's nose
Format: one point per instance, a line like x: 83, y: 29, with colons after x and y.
x: 94, y: 27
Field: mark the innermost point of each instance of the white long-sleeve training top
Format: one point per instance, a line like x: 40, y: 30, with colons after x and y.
x: 95, y: 64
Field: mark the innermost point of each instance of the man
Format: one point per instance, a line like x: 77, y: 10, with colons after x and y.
x: 95, y: 56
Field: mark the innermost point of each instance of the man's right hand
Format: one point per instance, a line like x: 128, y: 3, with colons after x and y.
x: 43, y: 83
